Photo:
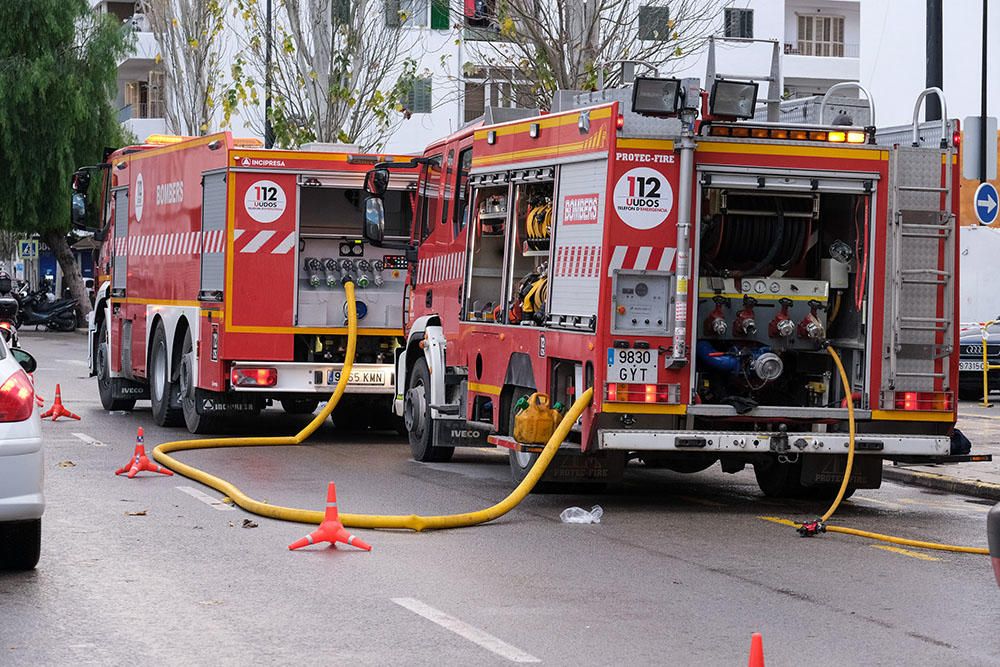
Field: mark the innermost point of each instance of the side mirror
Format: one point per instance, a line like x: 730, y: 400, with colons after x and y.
x: 27, y: 361
x: 81, y: 180
x: 377, y: 182
x: 374, y: 221
x: 78, y: 210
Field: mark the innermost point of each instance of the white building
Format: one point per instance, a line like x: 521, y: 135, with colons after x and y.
x: 877, y: 42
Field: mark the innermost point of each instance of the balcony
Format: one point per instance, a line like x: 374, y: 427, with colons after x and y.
x: 144, y: 52
x: 834, y: 62
x: 141, y: 128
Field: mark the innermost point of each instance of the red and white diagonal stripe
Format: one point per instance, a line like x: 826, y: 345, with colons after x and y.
x: 643, y: 258
x: 192, y: 243
x: 440, y: 268
x: 577, y: 261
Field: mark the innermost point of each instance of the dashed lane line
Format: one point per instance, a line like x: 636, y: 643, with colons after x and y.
x: 73, y: 362
x: 214, y: 503
x: 466, y: 631
x: 904, y: 552
x: 90, y: 441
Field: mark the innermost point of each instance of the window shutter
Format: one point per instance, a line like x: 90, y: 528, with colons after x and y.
x: 439, y: 15
x: 392, y: 13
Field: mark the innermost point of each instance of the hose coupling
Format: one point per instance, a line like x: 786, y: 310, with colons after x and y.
x: 811, y: 528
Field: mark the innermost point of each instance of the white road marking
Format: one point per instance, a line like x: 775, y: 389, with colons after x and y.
x: 462, y: 629
x: 214, y: 503
x: 74, y: 362
x: 90, y: 441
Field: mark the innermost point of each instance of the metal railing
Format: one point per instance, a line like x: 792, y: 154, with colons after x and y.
x: 823, y: 49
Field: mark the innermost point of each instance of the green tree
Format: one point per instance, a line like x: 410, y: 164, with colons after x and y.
x: 58, y: 62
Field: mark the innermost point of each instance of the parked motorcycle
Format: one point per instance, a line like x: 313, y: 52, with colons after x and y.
x: 35, y: 309
x: 9, y: 308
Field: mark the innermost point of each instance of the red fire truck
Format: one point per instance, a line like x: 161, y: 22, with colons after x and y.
x: 221, y: 276
x: 692, y: 271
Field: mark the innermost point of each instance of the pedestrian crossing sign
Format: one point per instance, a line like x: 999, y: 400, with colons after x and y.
x: 27, y: 248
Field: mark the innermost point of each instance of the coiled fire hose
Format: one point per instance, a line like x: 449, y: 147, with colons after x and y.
x: 810, y: 528
x: 409, y: 522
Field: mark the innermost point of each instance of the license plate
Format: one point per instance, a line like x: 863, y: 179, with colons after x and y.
x: 632, y: 366
x: 358, y: 377
x: 970, y: 365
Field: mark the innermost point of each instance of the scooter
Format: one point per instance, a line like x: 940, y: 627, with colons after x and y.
x: 60, y: 315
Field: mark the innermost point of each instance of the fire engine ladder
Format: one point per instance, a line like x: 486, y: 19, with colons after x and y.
x: 921, y: 262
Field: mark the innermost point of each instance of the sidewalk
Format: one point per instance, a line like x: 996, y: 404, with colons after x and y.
x: 982, y: 426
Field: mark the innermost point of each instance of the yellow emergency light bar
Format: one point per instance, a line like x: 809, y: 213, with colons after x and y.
x: 167, y: 139
x: 845, y: 136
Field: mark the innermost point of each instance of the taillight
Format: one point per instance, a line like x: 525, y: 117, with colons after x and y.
x: 924, y: 400
x: 17, y: 398
x: 640, y: 393
x: 254, y: 377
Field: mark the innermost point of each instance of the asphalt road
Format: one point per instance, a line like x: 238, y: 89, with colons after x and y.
x: 680, y: 571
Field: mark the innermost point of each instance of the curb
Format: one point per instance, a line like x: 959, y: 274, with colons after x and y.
x: 968, y: 487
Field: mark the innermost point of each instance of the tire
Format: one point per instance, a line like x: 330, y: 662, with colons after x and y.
x: 196, y: 423
x: 63, y: 322
x: 103, y: 363
x: 20, y: 544
x: 779, y: 480
x: 162, y: 385
x: 421, y: 426
x: 299, y: 406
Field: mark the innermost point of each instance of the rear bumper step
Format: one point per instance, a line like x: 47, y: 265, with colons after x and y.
x: 889, y: 446
x: 304, y: 377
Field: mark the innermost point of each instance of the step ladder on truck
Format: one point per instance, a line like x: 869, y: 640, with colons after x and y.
x: 694, y: 268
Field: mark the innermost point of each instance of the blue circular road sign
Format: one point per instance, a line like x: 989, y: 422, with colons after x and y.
x: 987, y: 203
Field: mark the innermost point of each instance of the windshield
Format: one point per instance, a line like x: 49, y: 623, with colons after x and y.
x: 339, y: 210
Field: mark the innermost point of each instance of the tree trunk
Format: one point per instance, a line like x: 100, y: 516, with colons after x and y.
x: 72, y: 277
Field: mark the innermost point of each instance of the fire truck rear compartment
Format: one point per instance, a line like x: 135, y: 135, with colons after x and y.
x: 780, y: 273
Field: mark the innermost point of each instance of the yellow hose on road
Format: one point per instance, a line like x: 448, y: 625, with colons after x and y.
x: 820, y: 524
x: 411, y: 521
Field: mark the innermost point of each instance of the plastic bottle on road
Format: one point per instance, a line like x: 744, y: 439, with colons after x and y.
x: 580, y: 515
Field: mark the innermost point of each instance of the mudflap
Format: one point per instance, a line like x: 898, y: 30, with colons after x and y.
x: 130, y: 389
x: 458, y: 433
x: 227, y: 405
x: 574, y: 467
x: 866, y: 473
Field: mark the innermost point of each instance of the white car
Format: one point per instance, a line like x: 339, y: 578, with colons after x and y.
x: 21, y: 464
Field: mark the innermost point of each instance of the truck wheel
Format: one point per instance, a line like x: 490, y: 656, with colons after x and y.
x: 22, y: 544
x: 196, y: 423
x: 162, y: 390
x: 970, y: 394
x: 779, y: 480
x: 104, y: 388
x: 299, y: 406
x: 417, y: 413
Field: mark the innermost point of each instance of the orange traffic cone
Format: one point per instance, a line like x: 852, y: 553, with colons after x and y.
x: 330, y: 530
x: 756, y: 650
x: 58, y: 409
x: 139, y: 460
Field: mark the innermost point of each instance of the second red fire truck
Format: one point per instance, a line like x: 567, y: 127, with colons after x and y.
x: 692, y: 271
x: 221, y: 280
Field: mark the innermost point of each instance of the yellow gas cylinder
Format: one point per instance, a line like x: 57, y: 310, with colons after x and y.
x: 535, y: 423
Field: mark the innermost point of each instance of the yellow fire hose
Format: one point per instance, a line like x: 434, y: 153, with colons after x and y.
x: 419, y: 523
x: 412, y: 521
x: 812, y: 527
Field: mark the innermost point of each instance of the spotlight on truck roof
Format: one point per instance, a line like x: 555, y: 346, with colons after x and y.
x: 656, y: 97
x: 735, y: 99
